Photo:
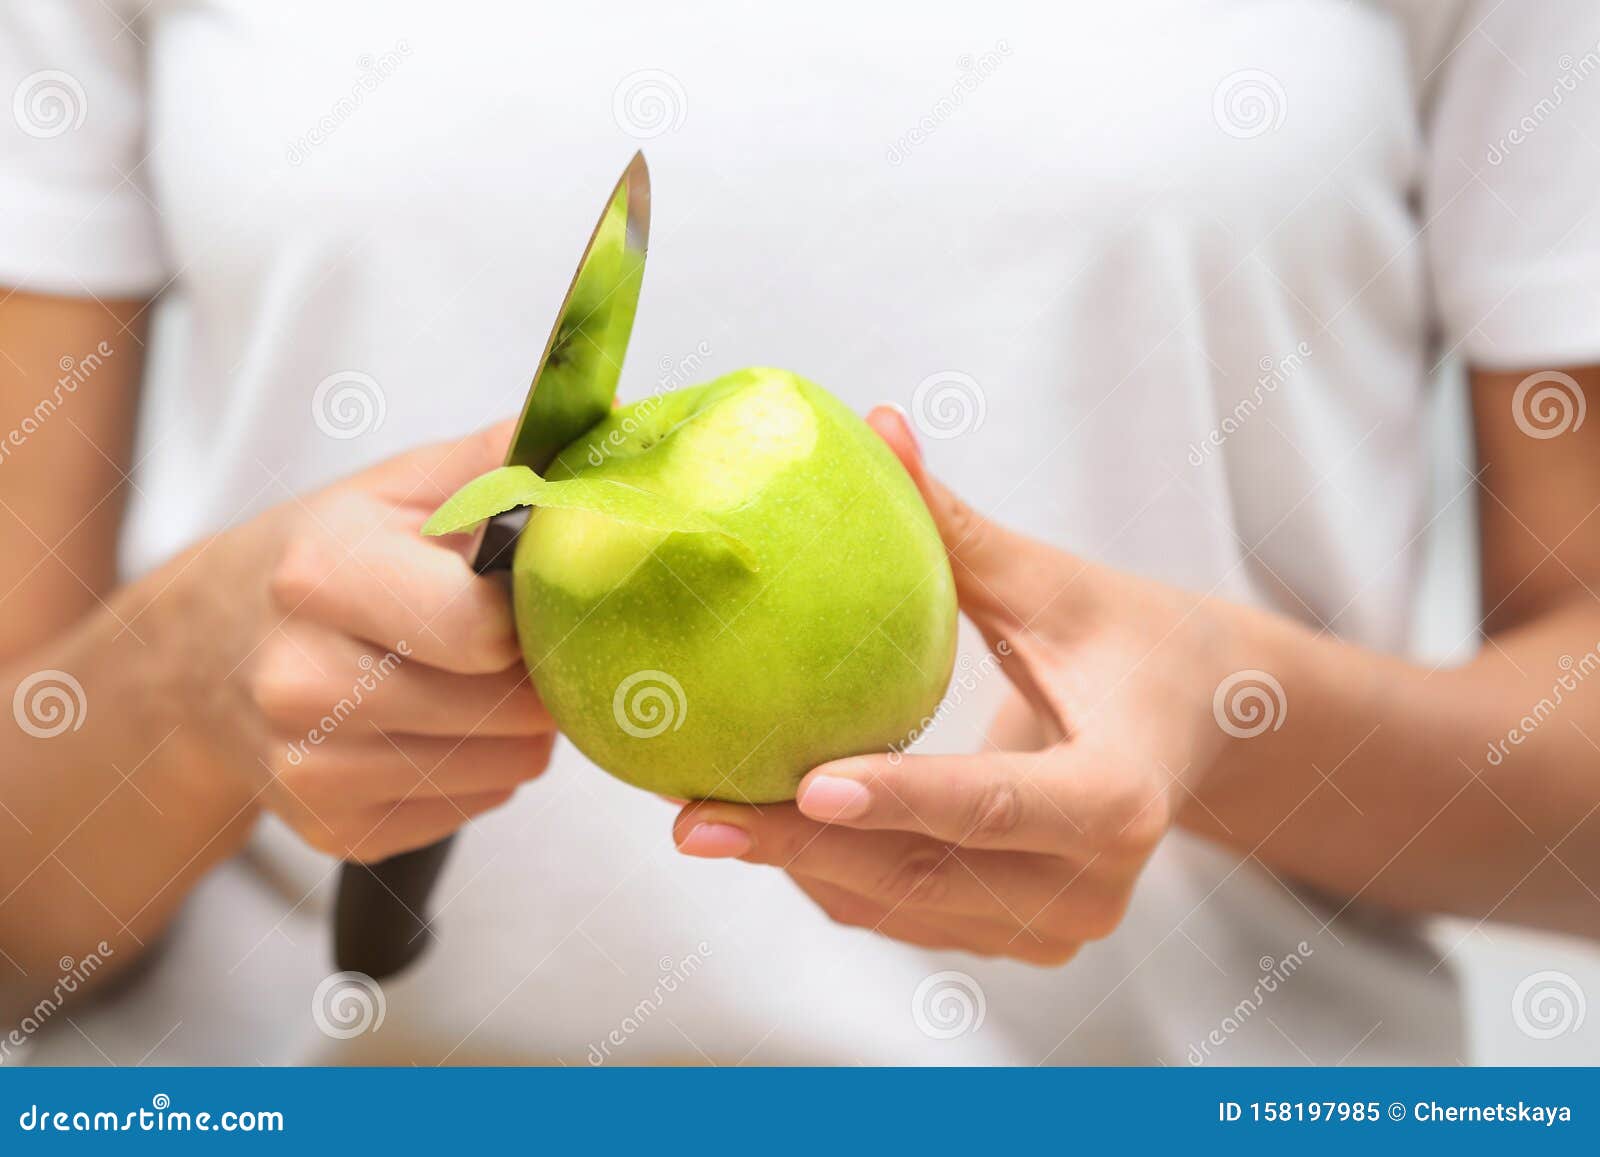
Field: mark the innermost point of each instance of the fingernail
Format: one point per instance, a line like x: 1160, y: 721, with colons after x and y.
x: 905, y: 424
x: 715, y: 841
x: 828, y: 797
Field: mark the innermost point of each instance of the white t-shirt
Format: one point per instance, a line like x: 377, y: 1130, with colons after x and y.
x: 1179, y: 272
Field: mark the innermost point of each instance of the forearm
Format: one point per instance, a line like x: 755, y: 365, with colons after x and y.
x: 113, y: 808
x: 1420, y: 789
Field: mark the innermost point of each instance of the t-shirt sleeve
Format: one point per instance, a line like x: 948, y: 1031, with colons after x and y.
x: 1509, y: 190
x: 75, y: 214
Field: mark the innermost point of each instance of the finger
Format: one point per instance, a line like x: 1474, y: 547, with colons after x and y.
x: 415, y: 824
x: 402, y: 593
x: 309, y: 682
x: 896, y: 869
x: 1071, y: 800
x: 427, y: 701
x: 1011, y: 801
x: 1045, y: 898
x: 889, y: 423
x: 854, y: 911
x: 386, y: 769
x: 426, y: 476
x: 1005, y: 582
x: 1002, y: 577
x: 968, y: 934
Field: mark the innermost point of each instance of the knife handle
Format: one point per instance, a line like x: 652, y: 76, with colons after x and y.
x: 380, y: 918
x: 380, y: 921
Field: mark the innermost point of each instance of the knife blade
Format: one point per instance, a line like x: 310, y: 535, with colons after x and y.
x: 380, y: 916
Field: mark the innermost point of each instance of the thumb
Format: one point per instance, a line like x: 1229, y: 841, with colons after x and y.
x: 1002, y: 578
x: 1005, y: 581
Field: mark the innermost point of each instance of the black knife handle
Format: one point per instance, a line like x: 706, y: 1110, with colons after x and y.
x: 380, y: 918
x: 380, y: 921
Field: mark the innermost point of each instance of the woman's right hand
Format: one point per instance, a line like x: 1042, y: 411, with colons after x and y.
x: 321, y: 659
x: 352, y: 676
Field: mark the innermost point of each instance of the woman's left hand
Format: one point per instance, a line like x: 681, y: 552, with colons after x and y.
x: 1020, y: 853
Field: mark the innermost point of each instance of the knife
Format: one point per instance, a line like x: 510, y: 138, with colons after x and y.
x: 380, y: 916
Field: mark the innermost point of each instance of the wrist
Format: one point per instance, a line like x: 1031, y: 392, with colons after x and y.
x: 156, y: 662
x: 1246, y: 672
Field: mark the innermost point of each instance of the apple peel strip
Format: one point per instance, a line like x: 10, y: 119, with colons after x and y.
x: 510, y: 486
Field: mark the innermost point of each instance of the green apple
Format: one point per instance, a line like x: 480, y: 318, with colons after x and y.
x: 721, y: 587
